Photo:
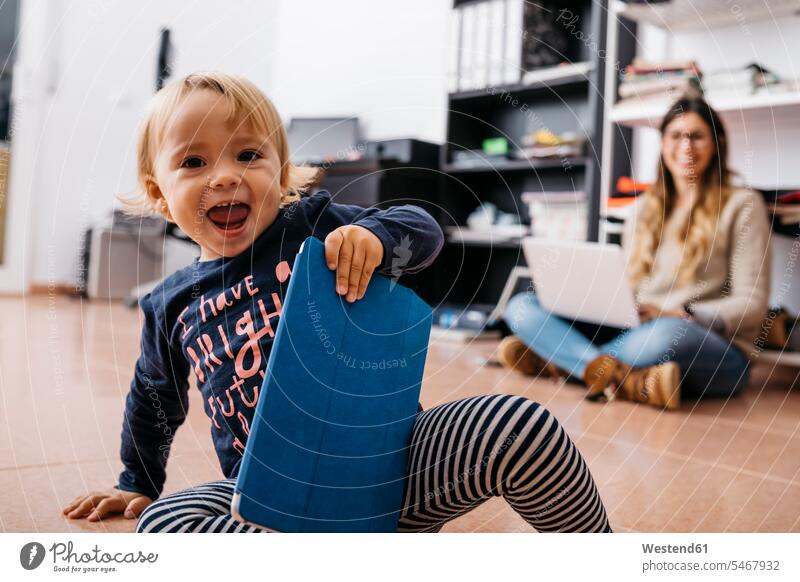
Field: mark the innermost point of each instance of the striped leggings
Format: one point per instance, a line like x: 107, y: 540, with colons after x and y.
x: 462, y: 453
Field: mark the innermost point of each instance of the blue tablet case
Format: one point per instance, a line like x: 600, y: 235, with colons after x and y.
x: 328, y: 447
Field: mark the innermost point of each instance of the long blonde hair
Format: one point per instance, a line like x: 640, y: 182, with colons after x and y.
x: 658, y: 202
x: 246, y: 103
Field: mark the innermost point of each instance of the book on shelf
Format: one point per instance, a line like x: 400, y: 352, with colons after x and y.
x: 658, y: 87
x: 557, y: 72
x: 454, y: 55
x: 641, y: 66
x: 515, y: 30
x: 480, y: 65
x: 742, y: 81
x: 542, y: 152
x: 497, y: 40
x: 544, y: 144
x: 497, y: 233
x: 507, y: 42
x: 466, y: 48
x: 646, y: 79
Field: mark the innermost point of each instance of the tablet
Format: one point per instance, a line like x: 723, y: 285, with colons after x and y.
x: 328, y: 447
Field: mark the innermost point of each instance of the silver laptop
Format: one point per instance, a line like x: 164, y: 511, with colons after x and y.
x: 582, y: 281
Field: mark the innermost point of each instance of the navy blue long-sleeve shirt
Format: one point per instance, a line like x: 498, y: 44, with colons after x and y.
x: 217, y: 319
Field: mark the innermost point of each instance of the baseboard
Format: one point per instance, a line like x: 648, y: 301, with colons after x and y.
x: 60, y: 289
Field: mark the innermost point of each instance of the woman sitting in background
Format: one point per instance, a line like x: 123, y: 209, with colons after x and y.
x: 698, y: 259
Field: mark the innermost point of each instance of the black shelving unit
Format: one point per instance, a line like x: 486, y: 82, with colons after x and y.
x: 476, y: 272
x: 497, y: 167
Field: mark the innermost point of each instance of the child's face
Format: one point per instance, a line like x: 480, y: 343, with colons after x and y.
x: 221, y: 181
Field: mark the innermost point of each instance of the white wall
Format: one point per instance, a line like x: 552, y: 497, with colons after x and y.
x: 91, y: 69
x: 88, y: 68
x: 382, y: 61
x: 764, y: 153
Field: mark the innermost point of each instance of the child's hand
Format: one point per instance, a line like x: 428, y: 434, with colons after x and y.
x: 355, y: 253
x: 100, y: 504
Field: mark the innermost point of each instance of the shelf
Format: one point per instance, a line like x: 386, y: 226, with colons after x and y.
x: 687, y: 15
x: 514, y: 243
x: 516, y: 166
x: 778, y: 106
x: 498, y: 91
x: 618, y: 212
x: 561, y: 98
x: 785, y: 358
x: 613, y: 228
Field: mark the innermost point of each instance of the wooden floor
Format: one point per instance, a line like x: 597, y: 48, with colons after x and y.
x: 65, y: 366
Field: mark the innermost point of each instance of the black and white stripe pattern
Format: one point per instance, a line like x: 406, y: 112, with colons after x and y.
x: 462, y: 453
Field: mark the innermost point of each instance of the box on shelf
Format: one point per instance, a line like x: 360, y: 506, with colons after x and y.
x: 557, y: 215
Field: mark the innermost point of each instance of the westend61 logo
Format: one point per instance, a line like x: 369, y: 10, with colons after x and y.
x: 66, y: 559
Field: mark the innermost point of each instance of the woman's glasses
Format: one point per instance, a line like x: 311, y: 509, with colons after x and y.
x: 696, y: 138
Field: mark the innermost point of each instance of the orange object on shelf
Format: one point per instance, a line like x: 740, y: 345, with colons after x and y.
x: 627, y: 185
x: 620, y: 201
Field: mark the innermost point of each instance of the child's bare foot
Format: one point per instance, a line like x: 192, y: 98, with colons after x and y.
x: 98, y: 505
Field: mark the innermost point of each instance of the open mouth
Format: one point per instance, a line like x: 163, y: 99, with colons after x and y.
x: 229, y: 216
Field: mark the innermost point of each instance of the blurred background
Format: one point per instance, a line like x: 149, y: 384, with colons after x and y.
x: 488, y: 113
x: 80, y: 73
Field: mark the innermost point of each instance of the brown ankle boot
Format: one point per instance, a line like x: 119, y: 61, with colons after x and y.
x: 607, y: 378
x: 601, y: 377
x: 657, y: 386
x: 515, y: 355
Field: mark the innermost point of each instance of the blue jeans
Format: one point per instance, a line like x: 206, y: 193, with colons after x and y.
x: 710, y: 365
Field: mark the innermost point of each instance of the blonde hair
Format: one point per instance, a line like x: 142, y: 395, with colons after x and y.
x: 246, y: 104
x: 658, y: 202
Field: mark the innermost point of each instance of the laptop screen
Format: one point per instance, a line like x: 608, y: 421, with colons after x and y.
x: 316, y: 139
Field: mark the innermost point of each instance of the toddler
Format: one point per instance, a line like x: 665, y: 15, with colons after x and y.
x: 213, y: 159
